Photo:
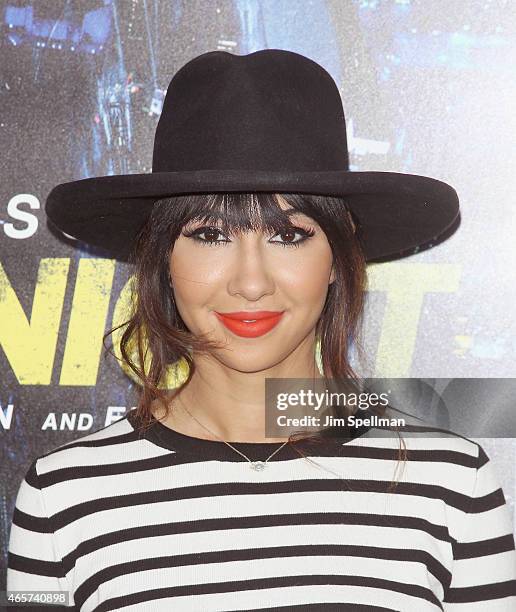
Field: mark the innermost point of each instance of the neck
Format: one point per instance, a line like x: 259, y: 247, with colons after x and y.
x: 228, y: 402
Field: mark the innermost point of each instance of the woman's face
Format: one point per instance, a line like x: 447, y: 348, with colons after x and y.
x: 252, y: 271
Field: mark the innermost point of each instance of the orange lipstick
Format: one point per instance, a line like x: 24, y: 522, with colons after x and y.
x: 250, y: 324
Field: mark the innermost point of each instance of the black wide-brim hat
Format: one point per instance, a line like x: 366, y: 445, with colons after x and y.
x: 269, y: 121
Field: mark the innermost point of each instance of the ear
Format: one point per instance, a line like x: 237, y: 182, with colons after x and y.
x: 332, y: 275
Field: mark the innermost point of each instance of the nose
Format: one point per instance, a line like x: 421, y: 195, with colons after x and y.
x: 250, y: 274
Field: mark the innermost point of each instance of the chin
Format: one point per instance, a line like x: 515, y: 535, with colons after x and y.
x: 248, y: 365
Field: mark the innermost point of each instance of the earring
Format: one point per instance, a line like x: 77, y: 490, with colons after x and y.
x: 318, y: 356
x: 352, y: 223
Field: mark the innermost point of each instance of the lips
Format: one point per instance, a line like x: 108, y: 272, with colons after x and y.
x: 261, y: 322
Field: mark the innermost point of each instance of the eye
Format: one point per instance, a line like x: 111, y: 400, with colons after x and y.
x: 209, y: 231
x: 306, y: 234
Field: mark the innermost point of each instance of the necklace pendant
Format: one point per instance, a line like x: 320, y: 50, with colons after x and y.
x: 258, y: 466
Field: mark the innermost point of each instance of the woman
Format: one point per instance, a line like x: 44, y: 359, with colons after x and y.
x: 185, y: 504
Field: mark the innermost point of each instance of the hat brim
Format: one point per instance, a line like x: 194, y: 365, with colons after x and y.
x: 397, y: 212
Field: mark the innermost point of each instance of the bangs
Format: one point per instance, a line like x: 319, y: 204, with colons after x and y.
x: 236, y: 213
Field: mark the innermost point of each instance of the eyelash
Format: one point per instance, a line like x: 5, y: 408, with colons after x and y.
x: 194, y: 234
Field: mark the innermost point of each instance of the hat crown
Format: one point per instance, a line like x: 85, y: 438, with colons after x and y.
x: 269, y: 110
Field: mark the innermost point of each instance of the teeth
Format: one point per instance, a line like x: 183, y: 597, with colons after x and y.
x: 249, y: 321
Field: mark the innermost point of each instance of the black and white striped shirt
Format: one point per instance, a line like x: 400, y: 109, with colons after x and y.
x: 172, y: 522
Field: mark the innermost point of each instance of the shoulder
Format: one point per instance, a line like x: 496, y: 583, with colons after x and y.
x: 110, y: 443
x: 442, y: 463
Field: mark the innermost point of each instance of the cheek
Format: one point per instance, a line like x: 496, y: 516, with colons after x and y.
x: 307, y: 280
x: 193, y: 273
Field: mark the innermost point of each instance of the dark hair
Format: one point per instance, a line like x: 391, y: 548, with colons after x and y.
x: 155, y: 324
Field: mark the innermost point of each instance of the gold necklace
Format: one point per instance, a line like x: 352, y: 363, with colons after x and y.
x: 258, y: 466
